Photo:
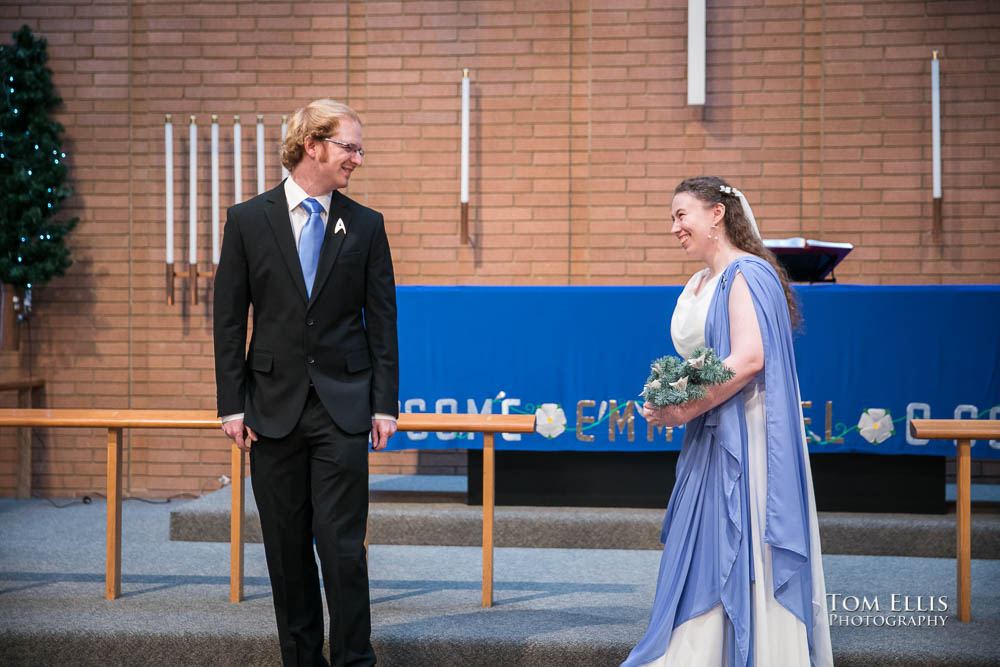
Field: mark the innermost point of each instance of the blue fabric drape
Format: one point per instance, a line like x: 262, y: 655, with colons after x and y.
x: 706, y: 531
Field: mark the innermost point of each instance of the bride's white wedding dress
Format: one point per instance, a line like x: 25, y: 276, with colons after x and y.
x: 778, y: 637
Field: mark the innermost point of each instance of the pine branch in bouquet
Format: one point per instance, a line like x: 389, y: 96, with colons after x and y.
x: 673, y: 381
x: 705, y: 368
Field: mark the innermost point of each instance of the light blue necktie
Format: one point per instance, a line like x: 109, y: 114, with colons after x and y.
x: 311, y: 241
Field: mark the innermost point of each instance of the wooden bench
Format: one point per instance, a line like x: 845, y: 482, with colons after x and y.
x: 964, y: 431
x: 28, y: 392
x: 115, y: 421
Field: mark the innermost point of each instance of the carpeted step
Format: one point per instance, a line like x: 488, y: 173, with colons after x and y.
x: 453, y: 524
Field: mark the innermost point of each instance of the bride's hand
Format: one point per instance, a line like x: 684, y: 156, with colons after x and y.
x: 670, y: 415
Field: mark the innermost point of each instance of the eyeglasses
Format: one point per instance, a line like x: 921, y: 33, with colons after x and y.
x: 350, y: 148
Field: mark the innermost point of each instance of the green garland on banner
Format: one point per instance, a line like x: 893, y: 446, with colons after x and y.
x: 530, y: 408
x: 844, y: 430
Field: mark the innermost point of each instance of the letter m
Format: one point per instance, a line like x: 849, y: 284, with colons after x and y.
x: 621, y: 422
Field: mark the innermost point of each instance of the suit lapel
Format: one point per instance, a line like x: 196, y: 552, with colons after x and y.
x: 276, y: 211
x: 332, y: 242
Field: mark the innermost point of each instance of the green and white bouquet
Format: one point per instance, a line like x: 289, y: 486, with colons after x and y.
x: 673, y: 381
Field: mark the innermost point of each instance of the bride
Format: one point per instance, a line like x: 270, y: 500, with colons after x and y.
x: 741, y: 577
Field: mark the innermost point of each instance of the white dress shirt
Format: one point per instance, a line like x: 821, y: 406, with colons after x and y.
x: 297, y: 213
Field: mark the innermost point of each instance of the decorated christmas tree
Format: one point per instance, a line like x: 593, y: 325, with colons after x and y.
x: 32, y: 168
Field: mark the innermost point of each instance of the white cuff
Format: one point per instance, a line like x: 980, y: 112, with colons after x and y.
x: 379, y: 415
x: 229, y: 418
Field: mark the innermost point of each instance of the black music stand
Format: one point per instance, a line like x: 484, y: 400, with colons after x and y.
x: 809, y: 261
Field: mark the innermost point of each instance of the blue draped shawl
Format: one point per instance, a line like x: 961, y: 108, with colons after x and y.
x: 706, y: 532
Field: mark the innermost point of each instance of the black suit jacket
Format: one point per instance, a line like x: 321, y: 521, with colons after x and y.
x: 343, y: 339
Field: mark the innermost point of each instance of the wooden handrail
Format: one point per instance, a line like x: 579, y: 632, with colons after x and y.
x: 23, y: 383
x: 206, y: 419
x: 955, y: 429
x: 964, y: 431
x: 115, y: 421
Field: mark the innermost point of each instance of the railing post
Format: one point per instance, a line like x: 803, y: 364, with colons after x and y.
x: 113, y: 560
x: 963, y: 543
x: 24, y: 396
x: 488, y: 497
x: 236, y: 525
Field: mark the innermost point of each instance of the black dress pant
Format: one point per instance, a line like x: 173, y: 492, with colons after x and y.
x: 313, y: 484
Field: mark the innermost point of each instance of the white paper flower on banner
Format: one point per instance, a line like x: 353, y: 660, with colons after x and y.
x: 875, y: 425
x: 550, y: 420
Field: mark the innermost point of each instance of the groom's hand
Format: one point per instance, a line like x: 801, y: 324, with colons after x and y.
x: 382, y: 430
x: 240, y: 434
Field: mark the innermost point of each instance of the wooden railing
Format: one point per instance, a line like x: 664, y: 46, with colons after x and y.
x: 964, y: 431
x: 116, y: 421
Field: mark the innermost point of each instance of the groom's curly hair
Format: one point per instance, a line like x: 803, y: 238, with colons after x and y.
x: 713, y: 190
x: 318, y: 119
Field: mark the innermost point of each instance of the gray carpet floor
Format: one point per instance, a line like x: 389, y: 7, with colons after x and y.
x: 553, y: 606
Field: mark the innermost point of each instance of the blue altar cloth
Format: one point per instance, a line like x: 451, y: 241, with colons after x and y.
x: 584, y: 352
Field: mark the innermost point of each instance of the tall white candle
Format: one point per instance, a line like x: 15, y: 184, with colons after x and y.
x: 284, y: 133
x: 215, y: 189
x: 260, y: 154
x: 465, y: 137
x: 696, y: 52
x: 193, y: 194
x: 936, y: 124
x: 168, y: 167
x: 237, y: 161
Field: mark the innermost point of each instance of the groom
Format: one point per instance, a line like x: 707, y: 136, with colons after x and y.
x: 321, y: 372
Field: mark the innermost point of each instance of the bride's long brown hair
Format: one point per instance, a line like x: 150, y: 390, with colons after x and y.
x: 709, y: 189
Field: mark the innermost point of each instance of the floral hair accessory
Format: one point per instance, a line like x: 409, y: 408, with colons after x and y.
x: 747, y: 211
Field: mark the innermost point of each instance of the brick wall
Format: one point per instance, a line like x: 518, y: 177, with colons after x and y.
x: 818, y: 110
